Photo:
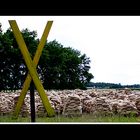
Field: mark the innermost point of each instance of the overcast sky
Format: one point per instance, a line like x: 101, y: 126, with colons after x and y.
x: 111, y: 42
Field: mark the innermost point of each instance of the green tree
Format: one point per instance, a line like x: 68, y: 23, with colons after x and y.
x: 12, y: 66
x: 59, y: 67
x: 64, y: 68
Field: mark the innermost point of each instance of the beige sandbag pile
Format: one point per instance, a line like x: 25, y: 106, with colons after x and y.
x: 6, y: 104
x: 57, y: 103
x: 76, y: 102
x: 24, y: 109
x: 103, y: 106
x: 72, y: 106
x: 126, y: 108
x: 137, y: 103
x: 88, y: 105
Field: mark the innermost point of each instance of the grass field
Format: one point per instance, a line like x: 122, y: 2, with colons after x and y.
x: 86, y: 118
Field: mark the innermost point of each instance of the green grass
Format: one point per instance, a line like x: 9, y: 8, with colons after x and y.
x: 86, y: 118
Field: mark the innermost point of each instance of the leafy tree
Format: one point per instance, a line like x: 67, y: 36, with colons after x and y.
x: 12, y: 66
x: 64, y: 68
x: 59, y: 67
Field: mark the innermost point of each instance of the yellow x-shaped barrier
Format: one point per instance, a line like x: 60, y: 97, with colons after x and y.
x: 31, y: 65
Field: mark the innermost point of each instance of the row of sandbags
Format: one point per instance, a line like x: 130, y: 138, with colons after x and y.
x: 76, y: 102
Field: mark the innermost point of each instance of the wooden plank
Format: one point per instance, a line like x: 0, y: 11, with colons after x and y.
x: 35, y: 60
x: 31, y: 67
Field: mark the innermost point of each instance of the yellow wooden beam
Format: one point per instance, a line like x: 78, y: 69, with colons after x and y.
x: 35, y: 60
x: 31, y: 67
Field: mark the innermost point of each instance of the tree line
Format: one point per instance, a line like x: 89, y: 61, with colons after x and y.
x: 103, y: 85
x: 59, y: 67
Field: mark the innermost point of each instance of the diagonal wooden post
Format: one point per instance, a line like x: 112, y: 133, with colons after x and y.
x: 35, y: 60
x: 31, y: 67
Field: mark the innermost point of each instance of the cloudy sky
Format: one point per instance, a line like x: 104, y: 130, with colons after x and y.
x: 111, y: 42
